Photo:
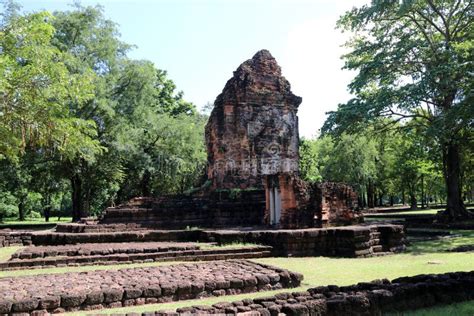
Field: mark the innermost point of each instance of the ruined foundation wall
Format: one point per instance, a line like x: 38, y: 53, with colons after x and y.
x: 337, y: 204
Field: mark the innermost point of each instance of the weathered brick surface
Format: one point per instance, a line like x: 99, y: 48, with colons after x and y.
x: 87, y: 249
x: 348, y: 241
x: 126, y: 287
x: 253, y: 129
x: 370, y: 298
x: 336, y: 204
x: 14, y: 238
x: 215, y: 209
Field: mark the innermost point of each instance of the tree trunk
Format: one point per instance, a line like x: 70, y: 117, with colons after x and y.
x: 391, y: 200
x: 47, y: 207
x: 21, y: 209
x: 370, y: 195
x: 455, y: 207
x: 413, y: 201
x: 47, y: 212
x: 145, y: 183
x: 77, y: 205
x: 86, y: 204
x: 422, y: 192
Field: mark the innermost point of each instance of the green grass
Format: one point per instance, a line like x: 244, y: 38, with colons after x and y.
x: 458, y: 309
x: 442, y: 244
x: 419, y: 259
x: 29, y: 221
x: 414, y: 212
x: 6, y: 252
x: 381, y: 218
x: 339, y: 271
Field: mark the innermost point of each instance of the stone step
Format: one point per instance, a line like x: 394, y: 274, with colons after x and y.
x: 377, y: 248
x: 380, y: 254
x: 375, y: 234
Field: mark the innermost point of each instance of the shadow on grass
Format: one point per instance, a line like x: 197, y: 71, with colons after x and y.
x: 441, y: 244
x: 457, y: 309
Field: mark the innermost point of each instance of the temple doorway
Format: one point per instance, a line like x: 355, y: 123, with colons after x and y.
x: 274, y: 200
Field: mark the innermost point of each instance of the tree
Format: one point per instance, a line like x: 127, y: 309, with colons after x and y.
x: 35, y: 87
x: 94, y: 42
x: 310, y: 160
x: 414, y: 60
x: 75, y: 109
x: 348, y: 158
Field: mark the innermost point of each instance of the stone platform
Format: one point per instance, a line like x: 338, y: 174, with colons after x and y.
x: 375, y: 298
x: 123, y: 253
x: 103, y: 249
x: 10, y: 237
x: 346, y: 241
x: 127, y: 287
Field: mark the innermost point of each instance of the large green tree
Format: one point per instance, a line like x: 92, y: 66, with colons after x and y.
x: 36, y: 86
x: 414, y: 60
x: 94, y: 41
x: 142, y: 121
x: 75, y: 109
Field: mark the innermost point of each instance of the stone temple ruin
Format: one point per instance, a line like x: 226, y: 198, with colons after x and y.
x: 253, y: 190
x: 252, y: 142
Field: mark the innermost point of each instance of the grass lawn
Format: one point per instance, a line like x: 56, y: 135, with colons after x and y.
x: 414, y: 212
x: 29, y: 221
x: 325, y: 271
x: 457, y: 238
x: 458, y: 309
x: 6, y: 252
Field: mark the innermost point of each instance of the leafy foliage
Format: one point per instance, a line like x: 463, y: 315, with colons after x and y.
x: 95, y: 126
x: 415, y: 63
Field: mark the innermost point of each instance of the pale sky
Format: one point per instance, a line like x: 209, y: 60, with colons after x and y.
x: 201, y: 42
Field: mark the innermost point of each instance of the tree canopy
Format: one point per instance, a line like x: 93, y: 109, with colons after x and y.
x: 77, y: 111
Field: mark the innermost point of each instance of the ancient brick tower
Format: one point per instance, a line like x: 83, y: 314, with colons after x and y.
x: 252, y: 144
x: 253, y: 129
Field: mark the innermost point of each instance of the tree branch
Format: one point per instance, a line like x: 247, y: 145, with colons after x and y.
x: 427, y: 19
x: 435, y: 9
x: 461, y: 17
x: 425, y: 35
